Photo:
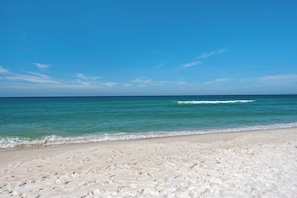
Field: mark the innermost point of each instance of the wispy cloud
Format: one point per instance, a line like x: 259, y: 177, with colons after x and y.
x: 217, y: 81
x: 279, y: 78
x: 33, y: 78
x: 81, y: 76
x: 127, y: 84
x: 273, y: 79
x: 147, y: 82
x: 181, y: 83
x: 204, y: 55
x: 161, y: 65
x: 110, y: 84
x: 41, y: 65
x: 3, y: 70
x: 212, y: 53
x: 85, y: 80
x: 85, y: 83
x: 191, y: 64
x: 142, y: 80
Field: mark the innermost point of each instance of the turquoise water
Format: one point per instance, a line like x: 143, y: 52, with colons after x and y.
x: 60, y: 120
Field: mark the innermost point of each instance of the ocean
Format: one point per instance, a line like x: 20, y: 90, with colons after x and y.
x: 40, y: 121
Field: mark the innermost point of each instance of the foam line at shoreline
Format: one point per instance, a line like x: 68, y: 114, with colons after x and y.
x: 16, y: 143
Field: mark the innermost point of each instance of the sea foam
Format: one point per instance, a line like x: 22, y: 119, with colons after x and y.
x: 214, y: 101
x: 16, y: 143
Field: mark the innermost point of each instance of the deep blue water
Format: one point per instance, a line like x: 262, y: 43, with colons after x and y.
x: 59, y: 120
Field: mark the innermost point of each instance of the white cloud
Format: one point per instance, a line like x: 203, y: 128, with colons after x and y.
x: 142, y: 80
x: 212, y: 53
x: 217, y: 81
x: 94, y: 78
x: 191, y: 64
x: 42, y: 66
x: 33, y: 78
x: 204, y: 56
x: 127, y: 85
x: 85, y: 80
x: 181, y: 83
x: 146, y: 82
x: 161, y: 64
x: 3, y: 70
x: 273, y: 79
x: 279, y: 78
x: 110, y: 84
x: 85, y: 83
x: 81, y: 76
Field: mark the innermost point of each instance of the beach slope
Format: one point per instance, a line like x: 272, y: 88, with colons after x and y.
x: 245, y: 164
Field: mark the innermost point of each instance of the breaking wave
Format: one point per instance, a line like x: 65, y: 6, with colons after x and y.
x: 20, y: 143
x: 192, y: 102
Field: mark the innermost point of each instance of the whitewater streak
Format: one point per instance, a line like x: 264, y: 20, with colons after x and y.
x: 214, y: 102
x: 19, y: 143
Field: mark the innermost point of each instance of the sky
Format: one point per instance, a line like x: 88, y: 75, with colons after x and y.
x: 147, y: 47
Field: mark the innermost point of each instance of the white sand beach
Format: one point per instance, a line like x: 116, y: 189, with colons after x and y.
x: 245, y: 164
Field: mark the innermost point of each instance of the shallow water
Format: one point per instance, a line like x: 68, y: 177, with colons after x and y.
x: 60, y: 120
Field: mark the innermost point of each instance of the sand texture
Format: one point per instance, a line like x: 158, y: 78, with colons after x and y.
x: 246, y: 164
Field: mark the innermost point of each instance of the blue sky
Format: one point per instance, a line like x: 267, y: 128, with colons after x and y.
x: 147, y: 47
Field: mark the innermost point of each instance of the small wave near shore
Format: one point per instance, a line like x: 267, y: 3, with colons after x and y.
x: 54, y: 140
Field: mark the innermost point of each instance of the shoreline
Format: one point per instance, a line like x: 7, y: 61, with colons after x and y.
x: 195, y: 138
x: 52, y: 141
x: 199, y: 136
x: 216, y: 164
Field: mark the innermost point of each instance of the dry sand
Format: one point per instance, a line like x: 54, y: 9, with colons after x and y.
x: 246, y: 164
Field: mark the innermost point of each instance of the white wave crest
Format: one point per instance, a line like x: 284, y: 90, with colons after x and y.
x: 214, y: 101
x: 19, y: 143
